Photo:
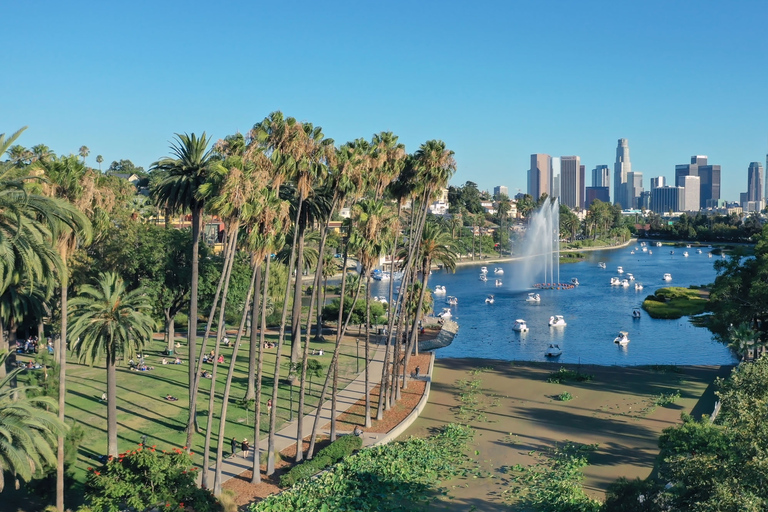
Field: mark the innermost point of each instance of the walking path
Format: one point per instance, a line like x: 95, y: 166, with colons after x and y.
x: 346, y: 398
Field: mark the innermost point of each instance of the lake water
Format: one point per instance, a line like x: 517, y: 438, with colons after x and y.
x: 595, y: 312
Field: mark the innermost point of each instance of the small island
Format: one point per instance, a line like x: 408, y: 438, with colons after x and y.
x: 675, y: 302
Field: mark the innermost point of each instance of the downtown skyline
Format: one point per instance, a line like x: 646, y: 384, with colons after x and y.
x: 123, y: 78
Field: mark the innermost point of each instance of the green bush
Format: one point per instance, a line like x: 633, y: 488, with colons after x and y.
x: 564, y: 374
x: 331, y: 454
x: 565, y: 396
x: 342, y: 447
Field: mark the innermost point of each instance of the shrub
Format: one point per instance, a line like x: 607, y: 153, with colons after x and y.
x: 143, y: 479
x: 565, y: 396
x: 564, y: 374
x: 331, y: 454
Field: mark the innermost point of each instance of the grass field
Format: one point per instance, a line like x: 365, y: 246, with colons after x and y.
x: 674, y: 302
x: 516, y: 413
x: 143, y: 410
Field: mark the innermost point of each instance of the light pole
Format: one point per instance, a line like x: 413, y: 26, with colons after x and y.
x: 358, y: 354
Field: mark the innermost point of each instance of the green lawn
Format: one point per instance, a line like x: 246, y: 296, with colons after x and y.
x: 142, y: 409
x: 674, y: 302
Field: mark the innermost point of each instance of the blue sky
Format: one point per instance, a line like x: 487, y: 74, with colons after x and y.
x: 496, y: 81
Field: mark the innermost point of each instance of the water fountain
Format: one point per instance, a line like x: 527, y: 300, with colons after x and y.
x: 540, y: 264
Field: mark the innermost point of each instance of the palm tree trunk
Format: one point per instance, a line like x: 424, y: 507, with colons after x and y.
x: 197, y: 219
x: 413, y: 343
x: 384, y: 385
x: 111, y: 404
x: 204, y: 346
x: 61, y: 355
x: 170, y: 329
x: 305, y: 357
x: 250, y: 392
x: 228, y: 264
x: 280, y: 340
x: 228, y: 386
x: 368, y: 347
x: 296, y: 311
x: 256, y: 470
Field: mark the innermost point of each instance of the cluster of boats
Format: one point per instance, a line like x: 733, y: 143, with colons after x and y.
x: 627, y: 281
x: 379, y: 275
x: 484, y: 274
x: 554, y: 321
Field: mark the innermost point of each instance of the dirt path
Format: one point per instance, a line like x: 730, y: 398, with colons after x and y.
x: 518, y: 412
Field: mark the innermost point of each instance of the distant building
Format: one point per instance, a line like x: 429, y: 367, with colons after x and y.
x: 501, y: 189
x: 621, y: 167
x: 666, y: 199
x: 644, y: 201
x: 582, y: 184
x: 709, y: 174
x: 657, y: 182
x: 540, y: 175
x: 571, y: 188
x: 601, y: 177
x: 633, y: 189
x: 755, y: 182
x: 440, y: 206
x: 130, y: 177
x: 555, y: 177
x: 601, y: 193
x: 691, y: 189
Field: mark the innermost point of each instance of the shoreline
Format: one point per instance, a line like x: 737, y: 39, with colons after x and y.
x: 505, y: 259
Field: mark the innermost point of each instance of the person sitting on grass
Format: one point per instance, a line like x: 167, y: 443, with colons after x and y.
x: 164, y: 361
x: 171, y: 398
x: 206, y: 374
x: 177, y: 361
x: 221, y: 359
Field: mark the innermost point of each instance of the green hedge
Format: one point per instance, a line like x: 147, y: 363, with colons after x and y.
x: 331, y: 454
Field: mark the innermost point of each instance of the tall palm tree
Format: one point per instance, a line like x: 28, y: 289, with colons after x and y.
x: 372, y: 218
x: 84, y: 152
x: 177, y: 192
x: 99, y: 160
x: 28, y: 429
x: 107, y: 321
x: 436, y: 245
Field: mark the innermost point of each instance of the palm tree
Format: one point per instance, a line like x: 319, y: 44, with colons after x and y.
x: 743, y: 340
x: 28, y: 429
x: 178, y: 192
x: 84, y: 152
x: 99, y: 160
x: 109, y: 321
x: 436, y: 245
x: 371, y: 219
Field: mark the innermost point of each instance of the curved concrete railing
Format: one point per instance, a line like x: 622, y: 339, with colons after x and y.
x: 403, y: 425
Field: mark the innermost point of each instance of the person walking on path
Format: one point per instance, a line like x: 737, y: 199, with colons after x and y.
x: 245, y: 447
x: 234, y: 446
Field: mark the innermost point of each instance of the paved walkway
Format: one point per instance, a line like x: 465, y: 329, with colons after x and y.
x: 346, y: 398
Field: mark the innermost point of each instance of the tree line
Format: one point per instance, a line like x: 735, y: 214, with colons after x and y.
x: 67, y: 229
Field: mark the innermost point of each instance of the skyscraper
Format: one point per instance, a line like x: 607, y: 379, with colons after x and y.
x: 540, y: 175
x: 601, y: 176
x: 634, y: 188
x: 501, y: 189
x: 755, y: 182
x: 620, y: 170
x: 710, y: 178
x: 658, y: 182
x: 571, y: 189
x: 691, y: 189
